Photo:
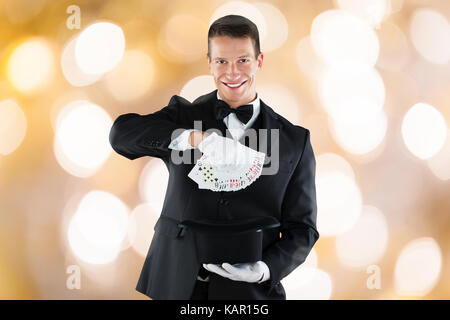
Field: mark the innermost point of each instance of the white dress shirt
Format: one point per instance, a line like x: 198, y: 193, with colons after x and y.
x: 237, y: 130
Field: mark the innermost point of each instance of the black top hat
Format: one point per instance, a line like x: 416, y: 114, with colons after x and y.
x: 232, y: 241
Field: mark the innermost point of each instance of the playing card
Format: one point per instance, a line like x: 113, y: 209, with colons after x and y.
x: 209, y: 175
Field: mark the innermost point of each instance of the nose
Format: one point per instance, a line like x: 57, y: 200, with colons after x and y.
x: 232, y: 72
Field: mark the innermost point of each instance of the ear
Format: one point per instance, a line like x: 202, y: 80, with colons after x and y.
x: 260, y: 60
x: 209, y: 63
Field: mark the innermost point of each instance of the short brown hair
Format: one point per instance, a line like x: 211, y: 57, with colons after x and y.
x: 234, y: 26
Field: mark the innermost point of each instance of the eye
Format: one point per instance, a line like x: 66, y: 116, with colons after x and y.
x: 244, y: 59
x: 219, y: 61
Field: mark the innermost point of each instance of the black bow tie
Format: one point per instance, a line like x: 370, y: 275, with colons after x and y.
x: 244, y: 113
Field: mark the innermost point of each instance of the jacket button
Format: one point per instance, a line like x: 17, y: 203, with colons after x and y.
x: 227, y: 202
x: 221, y: 201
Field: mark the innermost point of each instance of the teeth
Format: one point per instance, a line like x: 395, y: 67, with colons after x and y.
x: 234, y: 85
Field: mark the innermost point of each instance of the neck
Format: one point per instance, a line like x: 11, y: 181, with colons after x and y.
x: 234, y: 104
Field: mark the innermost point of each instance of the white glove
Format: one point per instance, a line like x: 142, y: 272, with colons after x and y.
x: 248, y: 272
x: 224, y: 152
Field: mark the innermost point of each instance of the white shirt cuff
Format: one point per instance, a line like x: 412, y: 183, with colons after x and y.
x: 181, y: 143
x: 266, y: 271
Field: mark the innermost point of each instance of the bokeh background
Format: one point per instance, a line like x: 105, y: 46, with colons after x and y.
x: 369, y: 78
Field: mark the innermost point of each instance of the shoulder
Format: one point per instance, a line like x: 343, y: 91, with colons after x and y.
x: 296, y: 129
x: 286, y: 124
x: 196, y: 104
x: 179, y: 101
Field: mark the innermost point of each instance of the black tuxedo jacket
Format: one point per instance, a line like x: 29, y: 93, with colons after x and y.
x: 171, y: 266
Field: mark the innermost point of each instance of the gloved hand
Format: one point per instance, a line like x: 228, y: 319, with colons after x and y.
x: 248, y: 272
x: 224, y: 152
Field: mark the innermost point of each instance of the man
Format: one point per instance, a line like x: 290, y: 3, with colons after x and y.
x: 171, y: 269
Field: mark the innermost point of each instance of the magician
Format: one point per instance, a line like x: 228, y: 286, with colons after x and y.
x: 212, y: 244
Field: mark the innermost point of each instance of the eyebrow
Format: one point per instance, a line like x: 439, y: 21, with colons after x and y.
x: 244, y: 56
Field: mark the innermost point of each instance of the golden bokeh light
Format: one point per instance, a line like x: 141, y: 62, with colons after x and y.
x: 81, y: 143
x: 341, y: 38
x: 361, y: 128
x: 153, y: 184
x: 430, y: 34
x: 31, y: 66
x: 197, y: 86
x: 424, y: 130
x: 339, y: 201
x: 132, y: 78
x: 418, y: 267
x: 276, y: 26
x: 99, y: 48
x: 338, y: 85
x: 141, y: 227
x: 366, y: 242
x: 320, y: 287
x: 371, y: 11
x: 72, y: 71
x: 98, y: 227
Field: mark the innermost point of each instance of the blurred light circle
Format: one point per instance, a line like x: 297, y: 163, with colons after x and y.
x: 365, y: 243
x: 424, y: 130
x: 244, y: 9
x: 282, y: 100
x: 371, y: 11
x: 98, y: 227
x: 439, y: 163
x: 81, y: 141
x: 132, y: 77
x: 418, y: 267
x: 430, y: 34
x: 319, y: 287
x: 308, y: 60
x: 141, y: 228
x: 182, y: 40
x: 99, y: 47
x: 338, y: 201
x: 330, y: 162
x: 276, y: 27
x: 303, y: 274
x: 13, y: 126
x: 197, y: 86
x: 341, y: 38
x: 361, y: 128
x: 338, y: 85
x: 31, y: 66
x: 153, y: 184
x: 72, y: 71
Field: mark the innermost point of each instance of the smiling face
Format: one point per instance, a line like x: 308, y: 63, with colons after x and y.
x: 234, y: 66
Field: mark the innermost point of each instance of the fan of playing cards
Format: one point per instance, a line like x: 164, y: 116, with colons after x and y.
x: 226, y: 165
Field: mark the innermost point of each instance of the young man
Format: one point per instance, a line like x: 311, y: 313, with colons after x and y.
x: 172, y: 269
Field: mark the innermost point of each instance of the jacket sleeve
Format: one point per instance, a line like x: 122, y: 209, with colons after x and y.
x: 133, y: 135
x: 298, y: 220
